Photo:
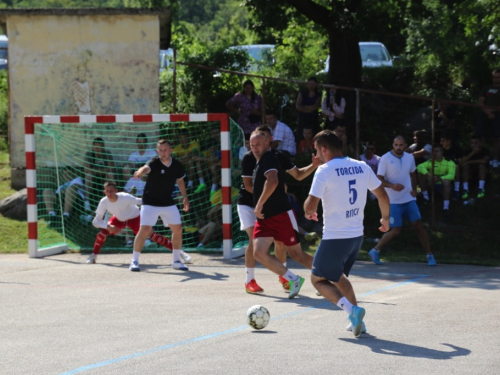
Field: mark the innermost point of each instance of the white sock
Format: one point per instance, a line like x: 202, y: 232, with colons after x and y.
x: 214, y: 187
x: 481, y: 184
x: 290, y: 276
x: 345, y: 305
x: 190, y: 184
x: 446, y: 205
x: 135, y: 256
x: 457, y: 186
x: 52, y: 213
x: 425, y: 195
x: 200, y: 244
x: 176, y: 255
x: 66, y: 214
x: 250, y: 274
x: 465, y: 185
x: 202, y: 180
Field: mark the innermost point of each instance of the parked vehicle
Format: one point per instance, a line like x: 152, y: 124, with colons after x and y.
x: 4, y: 44
x: 166, y: 59
x: 373, y: 55
x: 260, y: 55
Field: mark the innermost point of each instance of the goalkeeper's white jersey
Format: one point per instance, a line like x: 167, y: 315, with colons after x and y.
x: 125, y: 208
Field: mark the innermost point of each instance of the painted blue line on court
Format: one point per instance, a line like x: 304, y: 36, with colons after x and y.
x: 217, y: 334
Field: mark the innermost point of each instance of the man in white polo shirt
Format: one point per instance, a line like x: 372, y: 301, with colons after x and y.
x: 283, y: 138
x: 397, y: 171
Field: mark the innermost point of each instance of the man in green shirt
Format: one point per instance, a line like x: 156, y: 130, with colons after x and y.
x: 444, y: 174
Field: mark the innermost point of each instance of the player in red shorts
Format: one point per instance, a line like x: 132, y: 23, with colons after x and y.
x: 275, y: 218
x: 123, y: 207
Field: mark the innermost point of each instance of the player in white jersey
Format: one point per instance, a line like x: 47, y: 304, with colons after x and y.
x: 123, y: 207
x: 341, y: 185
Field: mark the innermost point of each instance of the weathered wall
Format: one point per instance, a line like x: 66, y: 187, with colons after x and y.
x: 67, y: 64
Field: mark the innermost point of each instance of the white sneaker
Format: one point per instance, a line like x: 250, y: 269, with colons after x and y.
x: 148, y: 243
x: 129, y: 243
x: 91, y: 259
x: 186, y: 258
x: 134, y: 266
x: 178, y: 265
x: 349, y: 328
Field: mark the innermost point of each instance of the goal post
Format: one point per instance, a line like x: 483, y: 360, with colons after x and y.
x: 59, y: 152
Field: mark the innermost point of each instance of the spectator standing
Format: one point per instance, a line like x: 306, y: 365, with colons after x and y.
x: 307, y: 106
x: 283, y: 139
x: 397, y: 171
x: 489, y: 101
x: 248, y: 106
x: 333, y: 108
x: 475, y: 160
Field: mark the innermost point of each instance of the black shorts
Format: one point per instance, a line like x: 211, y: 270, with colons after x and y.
x: 336, y: 257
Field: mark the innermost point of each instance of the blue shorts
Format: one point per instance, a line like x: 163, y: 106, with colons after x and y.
x: 336, y: 257
x: 408, y: 210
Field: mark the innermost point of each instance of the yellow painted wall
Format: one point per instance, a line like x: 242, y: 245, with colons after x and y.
x: 63, y: 64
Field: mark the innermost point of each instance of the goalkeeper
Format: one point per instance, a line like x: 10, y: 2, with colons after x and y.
x: 123, y: 207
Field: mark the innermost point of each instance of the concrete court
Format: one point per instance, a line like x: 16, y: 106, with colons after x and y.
x: 62, y: 316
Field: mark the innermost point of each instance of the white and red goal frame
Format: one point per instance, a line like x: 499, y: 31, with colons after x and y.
x: 30, y: 150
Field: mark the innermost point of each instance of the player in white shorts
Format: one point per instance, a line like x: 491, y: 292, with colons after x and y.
x: 123, y: 207
x: 164, y: 172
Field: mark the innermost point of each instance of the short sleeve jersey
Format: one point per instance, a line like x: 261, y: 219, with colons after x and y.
x: 125, y: 207
x: 278, y: 201
x: 396, y: 170
x: 248, y: 165
x: 161, y: 182
x: 372, y: 163
x: 341, y: 184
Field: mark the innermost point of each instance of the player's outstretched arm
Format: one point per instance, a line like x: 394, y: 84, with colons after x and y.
x: 300, y: 173
x: 141, y: 172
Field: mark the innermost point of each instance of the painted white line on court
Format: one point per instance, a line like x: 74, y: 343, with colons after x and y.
x: 222, y: 333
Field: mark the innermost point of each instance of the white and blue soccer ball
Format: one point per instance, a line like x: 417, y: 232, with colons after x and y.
x: 258, y: 317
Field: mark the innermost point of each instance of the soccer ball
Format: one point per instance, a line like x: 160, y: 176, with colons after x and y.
x: 258, y: 317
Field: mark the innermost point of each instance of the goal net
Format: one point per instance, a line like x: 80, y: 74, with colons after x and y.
x: 68, y: 159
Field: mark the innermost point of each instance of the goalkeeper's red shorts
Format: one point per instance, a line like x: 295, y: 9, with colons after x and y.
x: 282, y: 227
x: 133, y: 224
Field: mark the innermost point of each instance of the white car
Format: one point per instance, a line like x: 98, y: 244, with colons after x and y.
x: 373, y: 55
x: 4, y: 44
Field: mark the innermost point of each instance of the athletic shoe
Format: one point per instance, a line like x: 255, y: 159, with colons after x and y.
x: 148, y: 243
x: 295, y: 286
x: 134, y: 266
x: 375, y: 256
x: 178, y: 265
x: 85, y: 220
x: 129, y: 243
x: 252, y: 287
x: 455, y: 195
x: 186, y: 258
x: 430, y: 260
x: 200, y: 188
x: 356, y: 319
x: 91, y: 259
x: 480, y: 193
x: 494, y: 163
x: 284, y: 283
x: 465, y: 194
x: 311, y: 236
x: 349, y: 328
x: 86, y: 205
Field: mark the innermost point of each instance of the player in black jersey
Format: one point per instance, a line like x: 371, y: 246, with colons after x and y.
x: 247, y: 215
x: 164, y: 172
x: 275, y: 218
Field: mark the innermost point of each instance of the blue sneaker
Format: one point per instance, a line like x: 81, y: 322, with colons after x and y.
x: 375, y: 256
x: 295, y: 286
x: 430, y: 260
x: 178, y: 265
x: 356, y: 318
x: 363, y: 327
x: 134, y: 266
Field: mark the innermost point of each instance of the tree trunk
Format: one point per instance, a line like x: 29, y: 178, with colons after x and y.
x: 345, y: 59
